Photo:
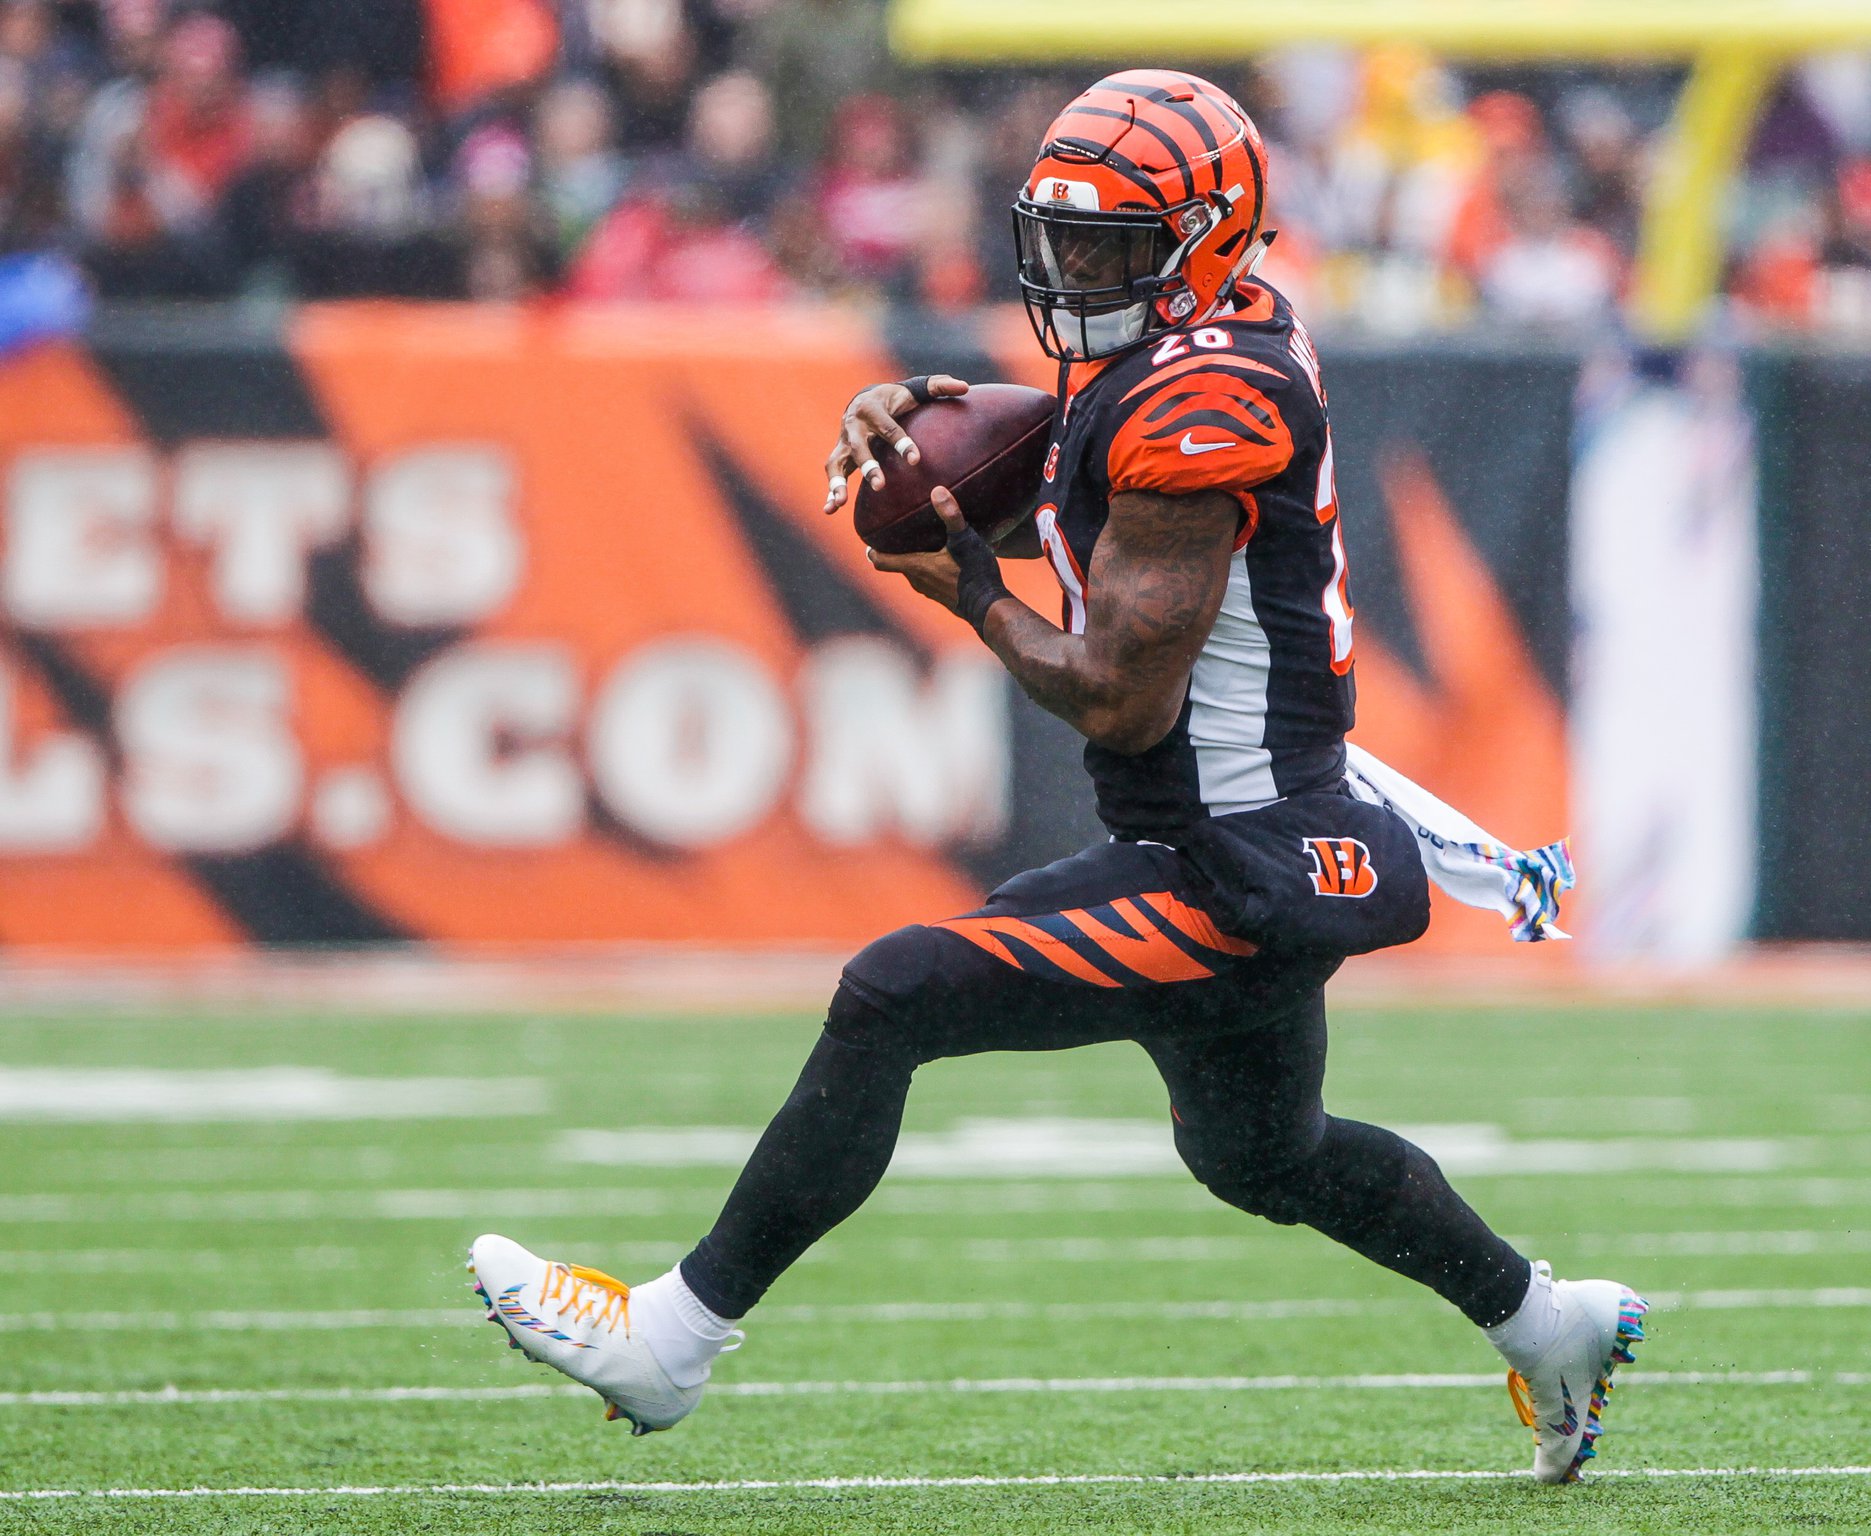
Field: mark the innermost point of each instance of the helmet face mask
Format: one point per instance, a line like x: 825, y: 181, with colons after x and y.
x: 1141, y: 212
x: 1090, y: 279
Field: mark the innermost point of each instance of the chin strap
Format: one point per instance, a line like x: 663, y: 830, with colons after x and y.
x: 1247, y: 266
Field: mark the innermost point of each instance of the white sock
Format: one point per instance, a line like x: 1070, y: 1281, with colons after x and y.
x: 1524, y: 1337
x: 683, y: 1334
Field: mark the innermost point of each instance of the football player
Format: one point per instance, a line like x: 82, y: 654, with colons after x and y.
x: 1190, y: 515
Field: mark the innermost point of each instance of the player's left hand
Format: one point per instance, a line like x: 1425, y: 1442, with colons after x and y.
x: 872, y: 417
x: 934, y: 573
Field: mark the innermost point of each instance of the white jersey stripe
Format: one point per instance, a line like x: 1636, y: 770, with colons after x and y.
x: 1228, y: 704
x: 1064, y: 567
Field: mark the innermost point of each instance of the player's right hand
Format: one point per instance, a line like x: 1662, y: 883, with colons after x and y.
x: 872, y: 414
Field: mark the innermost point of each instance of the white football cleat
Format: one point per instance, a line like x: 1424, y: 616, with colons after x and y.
x: 1588, y: 1329
x: 577, y: 1320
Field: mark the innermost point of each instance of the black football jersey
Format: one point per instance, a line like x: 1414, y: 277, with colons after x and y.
x: 1236, y: 405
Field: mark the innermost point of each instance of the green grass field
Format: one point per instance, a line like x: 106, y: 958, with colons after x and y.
x: 278, y: 1305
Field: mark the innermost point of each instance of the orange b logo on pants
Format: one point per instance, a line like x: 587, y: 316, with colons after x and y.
x: 1341, y: 866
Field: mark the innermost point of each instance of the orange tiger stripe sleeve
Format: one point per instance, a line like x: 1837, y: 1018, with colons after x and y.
x: 1210, y: 428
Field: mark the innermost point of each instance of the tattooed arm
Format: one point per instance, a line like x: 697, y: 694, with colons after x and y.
x: 1156, y: 582
x: 1157, y: 578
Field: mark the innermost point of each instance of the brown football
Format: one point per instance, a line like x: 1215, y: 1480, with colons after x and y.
x: 987, y: 446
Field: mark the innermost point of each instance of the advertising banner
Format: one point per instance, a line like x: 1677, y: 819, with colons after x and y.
x: 486, y: 627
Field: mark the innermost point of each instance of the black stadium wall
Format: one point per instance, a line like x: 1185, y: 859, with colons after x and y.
x: 1815, y: 637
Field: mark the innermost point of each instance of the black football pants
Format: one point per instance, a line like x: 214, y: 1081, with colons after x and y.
x: 1111, y: 944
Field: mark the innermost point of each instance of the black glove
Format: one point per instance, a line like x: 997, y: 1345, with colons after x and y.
x: 980, y: 586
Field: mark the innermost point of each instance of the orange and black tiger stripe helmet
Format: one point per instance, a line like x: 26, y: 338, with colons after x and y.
x: 1143, y: 209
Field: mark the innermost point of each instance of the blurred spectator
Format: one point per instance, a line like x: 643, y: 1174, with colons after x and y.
x: 580, y: 173
x: 757, y: 149
x: 649, y: 59
x: 1845, y: 253
x: 197, y: 126
x: 153, y: 159
x: 1546, y: 270
x: 1386, y: 190
x: 369, y: 180
x: 679, y: 245
x: 1514, y: 152
x: 1794, y: 137
x: 869, y: 197
x: 132, y: 32
x: 1610, y: 177
x: 816, y: 54
x: 367, y: 228
x: 946, y: 256
x: 732, y: 150
x: 29, y: 38
x: 1398, y: 165
x: 697, y: 234
x: 1839, y: 87
x: 31, y: 209
x: 509, y: 250
x: 1848, y: 209
x: 268, y: 203
x: 1813, y: 266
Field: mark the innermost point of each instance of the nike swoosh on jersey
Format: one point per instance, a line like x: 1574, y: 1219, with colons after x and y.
x: 1190, y: 446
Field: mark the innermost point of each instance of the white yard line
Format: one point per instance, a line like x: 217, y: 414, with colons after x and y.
x: 1742, y: 1300
x: 1684, y: 1191
x: 863, y: 1484
x: 105, y: 1261
x: 351, y: 1205
x: 561, y: 1201
x: 1777, y: 1192
x: 1069, y: 1385
x: 289, y: 1320
x: 274, y: 1321
x: 1073, y: 1311
x: 207, y: 1321
x: 1715, y: 1244
x: 1251, y: 1243
x: 1070, y: 1146
x: 271, y: 1095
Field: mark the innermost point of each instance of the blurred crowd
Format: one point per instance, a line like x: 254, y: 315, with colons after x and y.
x: 756, y: 150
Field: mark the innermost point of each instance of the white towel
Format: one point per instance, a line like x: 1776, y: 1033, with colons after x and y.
x: 1472, y: 866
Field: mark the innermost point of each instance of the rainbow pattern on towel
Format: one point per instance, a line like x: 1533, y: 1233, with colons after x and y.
x: 1544, y: 875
